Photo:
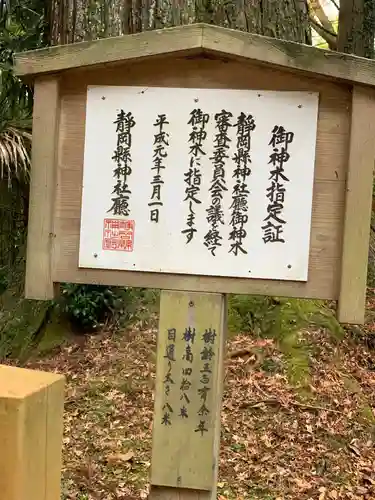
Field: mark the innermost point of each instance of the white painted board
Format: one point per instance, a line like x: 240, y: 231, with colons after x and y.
x: 221, y: 185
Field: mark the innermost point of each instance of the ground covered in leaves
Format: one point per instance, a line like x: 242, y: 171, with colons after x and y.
x: 278, y: 442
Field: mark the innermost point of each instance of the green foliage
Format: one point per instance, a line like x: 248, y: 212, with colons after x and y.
x: 22, y: 25
x: 284, y: 321
x: 90, y: 306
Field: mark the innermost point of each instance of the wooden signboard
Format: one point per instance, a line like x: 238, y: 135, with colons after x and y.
x: 65, y: 79
x: 202, y: 161
x: 198, y: 181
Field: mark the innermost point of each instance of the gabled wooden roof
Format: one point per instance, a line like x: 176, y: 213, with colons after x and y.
x: 195, y: 39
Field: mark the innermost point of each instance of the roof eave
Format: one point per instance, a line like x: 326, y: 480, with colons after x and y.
x: 194, y: 38
x: 181, y: 39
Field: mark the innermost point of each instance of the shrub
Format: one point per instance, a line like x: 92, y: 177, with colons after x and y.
x: 284, y: 321
x: 91, y: 306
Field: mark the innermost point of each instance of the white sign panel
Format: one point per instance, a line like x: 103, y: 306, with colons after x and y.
x: 198, y: 181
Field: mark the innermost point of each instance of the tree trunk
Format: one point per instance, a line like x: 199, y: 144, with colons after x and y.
x: 357, y: 27
x: 76, y: 20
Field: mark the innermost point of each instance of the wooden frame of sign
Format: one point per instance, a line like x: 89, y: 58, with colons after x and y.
x: 201, y: 57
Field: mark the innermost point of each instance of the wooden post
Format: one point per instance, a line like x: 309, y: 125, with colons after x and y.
x: 38, y: 281
x: 188, y: 395
x: 352, y: 294
x: 31, y: 426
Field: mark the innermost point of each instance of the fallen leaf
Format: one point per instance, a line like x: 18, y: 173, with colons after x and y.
x: 120, y: 457
x: 323, y: 491
x: 354, y: 449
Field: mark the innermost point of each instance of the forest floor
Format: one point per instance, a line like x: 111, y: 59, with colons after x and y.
x: 277, y: 443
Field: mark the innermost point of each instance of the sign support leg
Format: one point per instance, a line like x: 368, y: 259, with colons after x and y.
x: 188, y: 396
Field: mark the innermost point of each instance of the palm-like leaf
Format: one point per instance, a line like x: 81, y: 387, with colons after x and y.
x: 20, y: 28
x: 15, y: 132
x: 14, y: 154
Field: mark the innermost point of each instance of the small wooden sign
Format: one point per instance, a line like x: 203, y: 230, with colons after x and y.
x: 188, y: 390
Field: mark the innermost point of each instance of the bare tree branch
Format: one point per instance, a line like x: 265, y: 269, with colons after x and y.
x: 328, y: 36
x: 317, y: 10
x: 335, y: 4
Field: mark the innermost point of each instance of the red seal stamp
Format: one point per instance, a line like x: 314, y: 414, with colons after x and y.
x: 118, y: 234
